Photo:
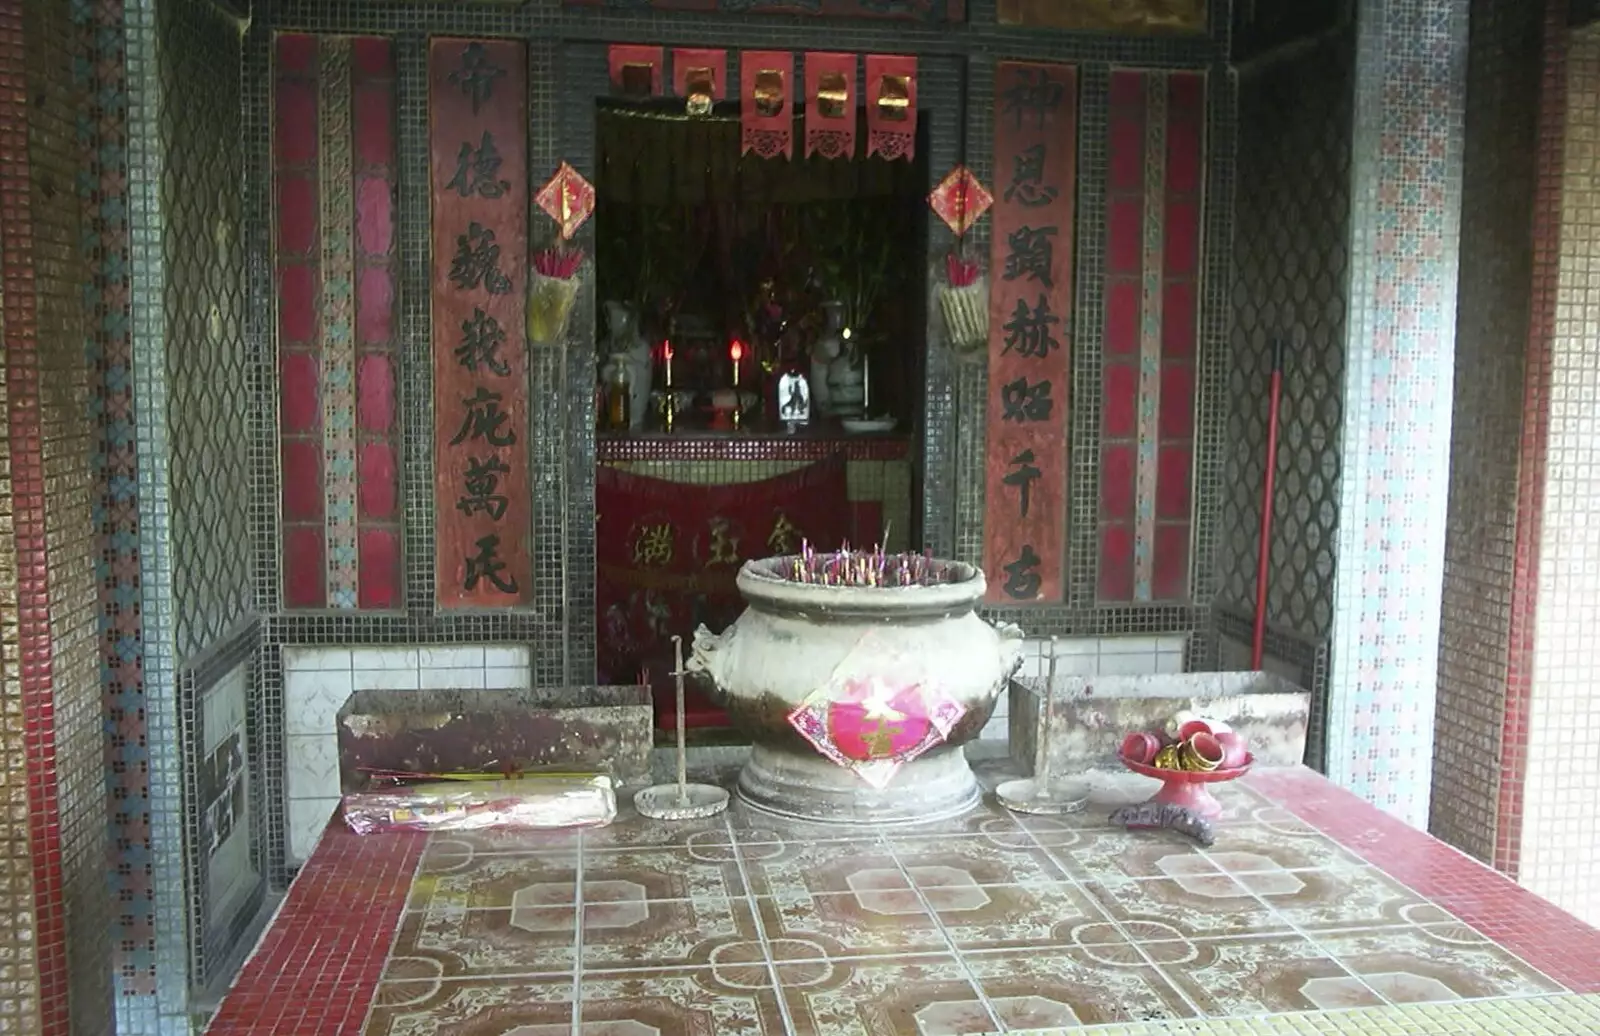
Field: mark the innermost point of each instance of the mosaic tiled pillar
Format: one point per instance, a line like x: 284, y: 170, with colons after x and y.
x: 54, y: 943
x: 1404, y: 223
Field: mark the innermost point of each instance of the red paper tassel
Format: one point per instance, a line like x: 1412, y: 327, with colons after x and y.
x: 831, y: 105
x: 632, y: 66
x: 766, y: 79
x: 891, y: 106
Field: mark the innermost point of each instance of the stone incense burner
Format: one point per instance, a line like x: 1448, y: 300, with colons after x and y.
x: 793, y: 637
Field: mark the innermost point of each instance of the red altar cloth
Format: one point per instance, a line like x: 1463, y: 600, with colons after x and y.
x: 667, y: 555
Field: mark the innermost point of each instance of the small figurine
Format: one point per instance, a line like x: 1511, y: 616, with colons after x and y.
x: 1149, y: 815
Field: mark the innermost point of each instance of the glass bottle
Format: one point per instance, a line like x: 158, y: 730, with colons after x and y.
x: 618, y: 405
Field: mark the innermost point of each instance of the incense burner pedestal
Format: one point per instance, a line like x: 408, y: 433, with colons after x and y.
x: 790, y: 641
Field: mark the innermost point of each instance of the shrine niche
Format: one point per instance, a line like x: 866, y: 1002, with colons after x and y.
x: 908, y: 10
x: 1133, y: 17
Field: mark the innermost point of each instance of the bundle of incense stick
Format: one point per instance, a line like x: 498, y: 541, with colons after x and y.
x: 846, y: 567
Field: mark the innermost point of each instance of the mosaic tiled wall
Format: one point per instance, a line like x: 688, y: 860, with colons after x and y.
x: 192, y: 384
x: 1559, y: 834
x: 1290, y: 280
x: 1493, y: 359
x: 54, y: 937
x: 1399, y: 359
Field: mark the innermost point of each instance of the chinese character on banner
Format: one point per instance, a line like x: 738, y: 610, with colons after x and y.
x: 477, y: 95
x: 880, y: 709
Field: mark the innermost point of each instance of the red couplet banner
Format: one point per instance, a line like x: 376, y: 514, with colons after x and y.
x: 667, y: 555
x: 477, y: 101
x: 1030, y: 324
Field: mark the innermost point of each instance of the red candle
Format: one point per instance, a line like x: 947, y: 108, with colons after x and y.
x: 736, y: 352
x: 666, y: 354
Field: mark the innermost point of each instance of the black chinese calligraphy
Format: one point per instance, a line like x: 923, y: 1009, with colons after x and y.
x: 1032, y: 253
x: 482, y: 485
x: 481, y: 338
x: 485, y: 420
x: 487, y: 564
x: 477, y: 262
x: 1027, y: 185
x: 1030, y: 332
x: 1023, y: 402
x: 477, y: 75
x: 1022, y: 476
x: 1034, y: 94
x: 477, y: 170
x: 1023, y: 580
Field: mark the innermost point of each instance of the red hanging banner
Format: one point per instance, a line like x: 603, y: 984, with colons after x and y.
x: 478, y: 144
x: 891, y: 106
x: 830, y: 105
x: 700, y: 77
x: 1030, y: 322
x: 635, y: 71
x: 766, y: 81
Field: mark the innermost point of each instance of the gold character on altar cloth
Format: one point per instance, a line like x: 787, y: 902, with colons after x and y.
x: 653, y: 544
x: 724, y: 546
x: 785, y: 537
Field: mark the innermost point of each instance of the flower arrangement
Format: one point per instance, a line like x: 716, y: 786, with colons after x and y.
x: 864, y: 568
x: 552, y: 288
x: 964, y: 301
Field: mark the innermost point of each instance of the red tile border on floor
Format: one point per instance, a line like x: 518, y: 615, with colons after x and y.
x: 318, y: 966
x: 1539, y: 932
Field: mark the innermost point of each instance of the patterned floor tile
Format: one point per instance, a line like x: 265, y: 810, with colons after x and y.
x: 791, y: 868
x: 728, y: 1001
x: 663, y: 933
x: 449, y: 846
x: 752, y: 826
x: 1115, y: 853
x: 632, y: 830
x: 688, y: 872
x: 1257, y: 846
x: 1201, y: 906
x: 1068, y: 988
x: 874, y: 924
x: 986, y: 817
x: 987, y: 917
x: 1329, y: 900
x: 1244, y: 976
x: 456, y: 1008
x: 976, y: 860
x: 929, y: 996
x: 1415, y: 965
x: 494, y: 881
x: 453, y: 943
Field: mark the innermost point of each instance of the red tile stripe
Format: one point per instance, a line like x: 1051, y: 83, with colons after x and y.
x: 377, y: 295
x: 1155, y: 188
x: 355, y: 423
x: 25, y: 440
x: 1542, y: 934
x: 1533, y: 470
x: 318, y: 966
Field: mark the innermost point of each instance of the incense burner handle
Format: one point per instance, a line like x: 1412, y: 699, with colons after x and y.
x: 1012, y: 642
x: 708, y: 656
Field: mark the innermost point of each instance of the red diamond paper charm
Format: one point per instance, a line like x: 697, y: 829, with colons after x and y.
x: 960, y: 199
x: 568, y: 198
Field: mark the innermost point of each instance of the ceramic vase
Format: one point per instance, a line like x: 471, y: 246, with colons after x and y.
x: 624, y: 340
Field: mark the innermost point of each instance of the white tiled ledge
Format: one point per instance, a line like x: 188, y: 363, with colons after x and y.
x: 1092, y: 656
x: 317, y: 681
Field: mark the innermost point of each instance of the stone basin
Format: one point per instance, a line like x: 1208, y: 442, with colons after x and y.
x: 1092, y: 714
